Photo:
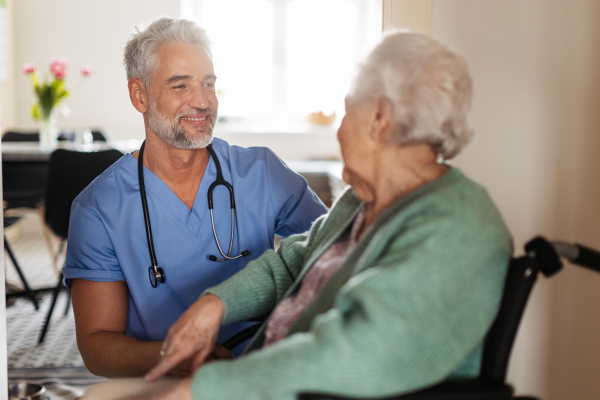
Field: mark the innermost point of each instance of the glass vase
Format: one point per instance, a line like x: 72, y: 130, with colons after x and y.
x: 48, y: 130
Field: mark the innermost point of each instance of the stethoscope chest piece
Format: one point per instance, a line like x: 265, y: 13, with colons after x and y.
x: 156, y: 275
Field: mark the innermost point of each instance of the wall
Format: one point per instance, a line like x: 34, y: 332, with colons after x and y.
x: 86, y: 32
x: 415, y: 15
x: 536, y: 117
x: 7, y: 89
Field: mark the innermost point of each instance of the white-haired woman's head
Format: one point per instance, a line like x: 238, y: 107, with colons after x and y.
x: 427, y: 86
x: 140, y: 56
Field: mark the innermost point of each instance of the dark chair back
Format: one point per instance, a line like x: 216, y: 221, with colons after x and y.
x: 24, y: 183
x: 69, y: 173
x: 98, y: 136
x: 12, y: 136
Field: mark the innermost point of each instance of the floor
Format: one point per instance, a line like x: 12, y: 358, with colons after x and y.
x: 27, y: 241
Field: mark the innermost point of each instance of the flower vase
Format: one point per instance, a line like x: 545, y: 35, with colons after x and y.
x: 48, y: 130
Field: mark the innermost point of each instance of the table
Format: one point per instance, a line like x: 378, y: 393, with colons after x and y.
x: 33, y: 152
x: 324, y: 177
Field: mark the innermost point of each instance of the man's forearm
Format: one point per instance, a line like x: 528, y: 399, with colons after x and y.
x: 112, y: 354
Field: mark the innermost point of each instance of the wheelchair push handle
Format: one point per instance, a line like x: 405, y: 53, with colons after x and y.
x: 578, y: 254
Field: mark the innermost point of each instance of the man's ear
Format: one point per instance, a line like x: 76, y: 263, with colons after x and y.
x: 138, y: 94
x: 381, y: 120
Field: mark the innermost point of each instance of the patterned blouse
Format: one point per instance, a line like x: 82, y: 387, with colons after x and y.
x: 290, y: 308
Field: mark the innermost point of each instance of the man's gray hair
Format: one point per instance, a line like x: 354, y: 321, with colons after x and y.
x: 428, y: 88
x: 140, y: 56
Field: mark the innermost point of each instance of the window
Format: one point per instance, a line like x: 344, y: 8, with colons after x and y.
x: 282, y: 59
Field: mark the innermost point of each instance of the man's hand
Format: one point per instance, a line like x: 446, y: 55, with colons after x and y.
x: 219, y: 353
x: 193, y: 336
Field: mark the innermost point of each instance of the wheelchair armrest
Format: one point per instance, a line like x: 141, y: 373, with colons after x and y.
x: 450, y: 390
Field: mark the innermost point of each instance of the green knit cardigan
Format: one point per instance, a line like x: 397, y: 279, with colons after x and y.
x: 409, y: 306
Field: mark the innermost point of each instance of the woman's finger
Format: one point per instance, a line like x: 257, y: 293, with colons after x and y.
x: 174, y: 350
x: 165, y: 364
x: 193, y: 335
x: 201, y: 358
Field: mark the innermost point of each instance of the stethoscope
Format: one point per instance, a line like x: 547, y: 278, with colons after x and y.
x: 156, y: 273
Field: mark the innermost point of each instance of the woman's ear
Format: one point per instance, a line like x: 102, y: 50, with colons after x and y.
x: 138, y: 95
x: 381, y: 120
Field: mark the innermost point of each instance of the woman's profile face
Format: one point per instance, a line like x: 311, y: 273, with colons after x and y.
x: 358, y: 150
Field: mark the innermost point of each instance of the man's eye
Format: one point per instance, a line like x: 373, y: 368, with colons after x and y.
x: 209, y: 85
x: 179, y: 87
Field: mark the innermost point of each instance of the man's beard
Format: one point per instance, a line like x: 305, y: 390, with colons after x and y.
x: 172, y: 133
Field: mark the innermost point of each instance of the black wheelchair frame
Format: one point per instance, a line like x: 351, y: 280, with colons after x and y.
x: 542, y: 256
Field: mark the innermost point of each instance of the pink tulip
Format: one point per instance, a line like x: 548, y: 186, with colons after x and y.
x: 87, y: 70
x: 58, y: 60
x: 29, y: 68
x: 58, y: 67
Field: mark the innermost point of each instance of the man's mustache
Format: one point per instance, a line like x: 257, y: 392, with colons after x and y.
x: 195, y: 111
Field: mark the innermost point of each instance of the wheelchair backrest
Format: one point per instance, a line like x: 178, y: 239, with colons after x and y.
x: 521, y: 276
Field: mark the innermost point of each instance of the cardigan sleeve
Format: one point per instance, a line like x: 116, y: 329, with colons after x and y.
x: 405, y: 322
x: 256, y: 289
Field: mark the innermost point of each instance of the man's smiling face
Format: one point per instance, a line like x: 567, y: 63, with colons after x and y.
x: 183, y: 104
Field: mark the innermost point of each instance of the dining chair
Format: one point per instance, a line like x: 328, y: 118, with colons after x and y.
x: 23, y: 187
x: 9, y: 221
x: 21, y: 136
x: 69, y: 173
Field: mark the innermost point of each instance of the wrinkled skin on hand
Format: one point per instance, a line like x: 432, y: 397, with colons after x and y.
x: 193, y: 337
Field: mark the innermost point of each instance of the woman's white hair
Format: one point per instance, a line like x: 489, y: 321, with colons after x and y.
x: 428, y: 88
x: 140, y: 56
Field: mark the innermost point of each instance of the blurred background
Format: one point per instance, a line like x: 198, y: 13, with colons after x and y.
x: 284, y: 67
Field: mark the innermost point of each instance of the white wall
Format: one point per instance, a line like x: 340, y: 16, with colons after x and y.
x: 85, y: 32
x: 536, y: 117
x: 7, y: 89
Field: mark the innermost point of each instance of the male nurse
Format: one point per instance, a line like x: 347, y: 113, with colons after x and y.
x: 121, y: 318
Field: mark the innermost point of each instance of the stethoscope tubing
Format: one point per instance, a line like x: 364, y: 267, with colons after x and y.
x: 157, y: 274
x: 145, y: 206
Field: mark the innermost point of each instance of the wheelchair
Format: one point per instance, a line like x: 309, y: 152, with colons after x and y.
x: 542, y: 256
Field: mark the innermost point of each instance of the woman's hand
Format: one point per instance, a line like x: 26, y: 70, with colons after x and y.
x: 193, y: 336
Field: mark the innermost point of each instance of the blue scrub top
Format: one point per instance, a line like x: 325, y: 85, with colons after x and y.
x: 107, y: 240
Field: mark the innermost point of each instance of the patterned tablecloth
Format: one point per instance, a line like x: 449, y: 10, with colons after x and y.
x: 56, y: 363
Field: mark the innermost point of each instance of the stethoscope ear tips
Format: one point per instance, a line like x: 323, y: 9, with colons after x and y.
x: 212, y: 258
x: 245, y: 253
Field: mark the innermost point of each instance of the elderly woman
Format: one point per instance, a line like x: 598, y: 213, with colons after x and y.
x: 395, y: 288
